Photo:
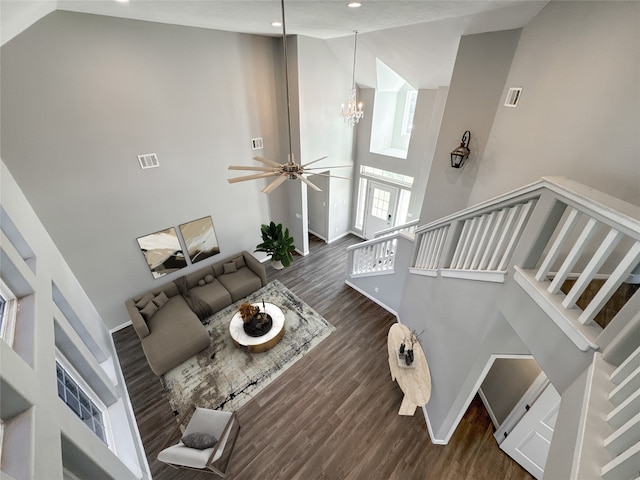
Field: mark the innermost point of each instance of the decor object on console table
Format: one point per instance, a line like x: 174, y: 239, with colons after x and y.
x: 415, y: 381
x: 277, y: 243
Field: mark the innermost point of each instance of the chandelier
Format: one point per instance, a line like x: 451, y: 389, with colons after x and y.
x: 352, y: 113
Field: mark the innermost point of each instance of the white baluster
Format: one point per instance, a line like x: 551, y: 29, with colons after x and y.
x: 504, y: 237
x: 515, y: 236
x: 558, y: 244
x: 460, y: 245
x: 437, y: 251
x: 484, y: 240
x: 573, y: 256
x: 493, y: 239
x: 599, y: 257
x: 619, y: 275
x: 474, y: 241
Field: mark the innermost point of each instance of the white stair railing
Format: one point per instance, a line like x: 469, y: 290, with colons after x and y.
x: 611, y: 420
x: 586, y: 232
x: 477, y: 243
x: 373, y: 257
x: 408, y: 228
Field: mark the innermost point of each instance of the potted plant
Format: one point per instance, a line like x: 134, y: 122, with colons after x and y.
x: 278, y: 244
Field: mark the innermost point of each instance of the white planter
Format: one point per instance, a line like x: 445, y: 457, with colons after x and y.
x: 277, y: 264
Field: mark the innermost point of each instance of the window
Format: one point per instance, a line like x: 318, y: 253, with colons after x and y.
x: 8, y: 312
x: 393, y: 113
x: 78, y: 400
x: 362, y: 198
x: 409, y: 112
x: 393, y: 177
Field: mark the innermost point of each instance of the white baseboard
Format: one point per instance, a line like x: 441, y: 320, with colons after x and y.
x: 488, y: 408
x: 435, y: 441
x: 374, y: 300
x: 120, y: 327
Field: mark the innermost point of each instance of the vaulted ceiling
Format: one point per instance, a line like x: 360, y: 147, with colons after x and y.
x: 417, y: 38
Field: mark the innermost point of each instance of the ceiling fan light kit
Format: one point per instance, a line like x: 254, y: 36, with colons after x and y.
x: 289, y: 170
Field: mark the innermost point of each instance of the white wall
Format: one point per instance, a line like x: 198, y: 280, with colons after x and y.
x: 83, y: 95
x: 323, y: 86
x: 38, y: 425
x: 579, y: 114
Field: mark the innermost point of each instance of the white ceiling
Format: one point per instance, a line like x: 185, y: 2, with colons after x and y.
x: 406, y: 35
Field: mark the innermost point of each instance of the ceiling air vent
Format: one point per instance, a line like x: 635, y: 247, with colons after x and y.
x: 513, y: 95
x: 148, y: 160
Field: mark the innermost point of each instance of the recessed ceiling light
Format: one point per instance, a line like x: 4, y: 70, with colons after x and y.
x: 276, y: 24
x: 123, y: 1
x: 354, y: 4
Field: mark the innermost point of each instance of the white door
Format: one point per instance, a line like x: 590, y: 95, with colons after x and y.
x: 528, y: 442
x: 381, y: 208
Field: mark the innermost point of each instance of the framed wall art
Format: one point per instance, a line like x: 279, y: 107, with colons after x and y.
x: 163, y: 252
x: 200, y: 239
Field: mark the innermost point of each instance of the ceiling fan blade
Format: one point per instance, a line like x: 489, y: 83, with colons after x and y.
x: 315, y: 187
x: 267, y: 162
x: 253, y: 169
x: 314, y: 161
x: 251, y: 177
x: 275, y: 184
x: 328, y: 168
x: 329, y: 175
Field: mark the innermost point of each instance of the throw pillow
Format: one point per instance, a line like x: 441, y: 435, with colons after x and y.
x: 208, y: 278
x: 160, y: 300
x: 148, y: 311
x: 142, y: 302
x: 230, y: 267
x: 240, y: 262
x: 201, y: 282
x: 199, y: 440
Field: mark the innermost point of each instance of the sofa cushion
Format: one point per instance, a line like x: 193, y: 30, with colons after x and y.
x: 148, y: 311
x: 230, y: 267
x: 240, y: 283
x: 142, y: 301
x: 160, y: 300
x: 214, y: 294
x: 175, y: 335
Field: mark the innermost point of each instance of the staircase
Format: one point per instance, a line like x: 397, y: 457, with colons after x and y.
x: 533, y: 242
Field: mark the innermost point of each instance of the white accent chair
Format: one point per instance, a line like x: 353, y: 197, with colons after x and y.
x: 203, y: 420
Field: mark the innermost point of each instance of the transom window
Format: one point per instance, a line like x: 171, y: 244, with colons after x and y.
x: 78, y: 400
x: 400, y: 179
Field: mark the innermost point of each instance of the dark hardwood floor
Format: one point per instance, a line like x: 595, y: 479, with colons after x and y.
x: 334, y: 414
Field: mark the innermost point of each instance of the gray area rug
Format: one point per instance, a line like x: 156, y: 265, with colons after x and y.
x: 234, y: 376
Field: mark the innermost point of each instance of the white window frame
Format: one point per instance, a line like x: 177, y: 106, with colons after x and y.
x: 9, y: 314
x: 88, y: 391
x: 409, y: 112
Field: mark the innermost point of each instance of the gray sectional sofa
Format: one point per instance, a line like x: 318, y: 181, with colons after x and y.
x: 168, y: 318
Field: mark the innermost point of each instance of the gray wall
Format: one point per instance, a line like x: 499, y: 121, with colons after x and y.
x: 579, y: 114
x: 506, y: 382
x: 480, y: 70
x: 83, y: 95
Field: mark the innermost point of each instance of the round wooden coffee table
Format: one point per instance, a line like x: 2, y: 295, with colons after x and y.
x: 265, y: 342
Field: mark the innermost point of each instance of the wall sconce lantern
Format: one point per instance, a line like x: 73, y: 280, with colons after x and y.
x: 460, y: 154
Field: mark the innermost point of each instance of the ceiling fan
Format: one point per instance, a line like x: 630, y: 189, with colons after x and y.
x: 289, y: 170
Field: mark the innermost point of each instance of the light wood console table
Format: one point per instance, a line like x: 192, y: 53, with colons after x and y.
x: 415, y: 381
